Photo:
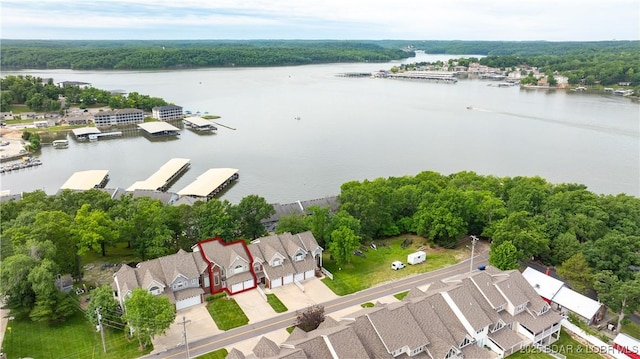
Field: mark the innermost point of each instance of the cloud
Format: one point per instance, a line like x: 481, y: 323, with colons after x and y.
x: 353, y: 19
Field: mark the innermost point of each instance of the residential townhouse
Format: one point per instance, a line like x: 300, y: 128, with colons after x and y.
x: 215, y: 266
x: 484, y: 314
x: 180, y: 276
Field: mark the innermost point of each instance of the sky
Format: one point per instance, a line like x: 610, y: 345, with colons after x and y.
x: 509, y: 20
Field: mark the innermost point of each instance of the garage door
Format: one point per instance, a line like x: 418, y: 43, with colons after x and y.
x: 188, y: 302
x: 299, y: 277
x: 288, y: 279
x: 276, y: 283
x: 236, y: 287
x: 309, y: 274
x: 248, y: 283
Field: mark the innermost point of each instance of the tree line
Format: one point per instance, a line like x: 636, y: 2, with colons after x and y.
x: 43, y: 95
x: 592, y: 239
x: 110, y: 55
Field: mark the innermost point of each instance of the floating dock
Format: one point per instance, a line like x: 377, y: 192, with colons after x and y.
x: 447, y: 77
x: 159, y: 129
x: 86, y: 180
x: 164, y: 177
x: 83, y: 133
x: 210, y: 183
x: 199, y: 124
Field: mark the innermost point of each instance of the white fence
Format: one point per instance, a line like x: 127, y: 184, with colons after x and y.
x: 598, y: 346
x: 264, y: 296
x: 299, y: 285
x: 326, y: 272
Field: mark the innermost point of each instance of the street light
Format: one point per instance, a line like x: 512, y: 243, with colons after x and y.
x: 474, y: 239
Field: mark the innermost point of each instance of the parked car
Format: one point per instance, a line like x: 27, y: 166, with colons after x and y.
x: 397, y: 265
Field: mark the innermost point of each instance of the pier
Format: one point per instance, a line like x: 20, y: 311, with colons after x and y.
x: 437, y: 76
x: 210, y: 183
x: 199, y: 124
x: 27, y: 162
x: 355, y: 74
x: 83, y: 133
x: 86, y: 180
x: 162, y: 179
x: 97, y: 136
x: 159, y: 129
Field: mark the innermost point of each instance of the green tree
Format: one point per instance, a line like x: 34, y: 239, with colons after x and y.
x: 311, y: 318
x: 318, y: 222
x: 564, y: 247
x: 504, y: 256
x: 15, y: 287
x: 294, y: 223
x: 621, y: 296
x: 343, y: 242
x: 148, y: 315
x: 102, y: 300
x: 576, y: 271
x: 249, y: 214
x: 51, y: 305
x: 94, y: 230
x: 615, y: 252
x: 213, y: 218
x: 523, y: 232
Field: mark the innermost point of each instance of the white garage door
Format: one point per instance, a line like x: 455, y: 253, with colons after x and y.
x: 188, y: 302
x: 299, y: 277
x: 248, y: 283
x: 236, y: 287
x: 288, y: 279
x: 276, y: 283
x: 309, y: 274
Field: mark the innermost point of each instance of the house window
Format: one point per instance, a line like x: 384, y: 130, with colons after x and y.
x: 155, y: 290
x: 498, y: 325
x: 520, y: 308
x: 479, y: 330
x: 299, y: 256
x: 216, y: 280
x: 452, y: 353
x: 180, y: 284
x: 545, y: 308
x: 277, y: 262
x: 256, y: 267
x: 465, y: 342
x: 194, y: 281
x: 500, y: 308
x: 238, y: 269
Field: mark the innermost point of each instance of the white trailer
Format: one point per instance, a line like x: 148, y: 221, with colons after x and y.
x: 417, y: 257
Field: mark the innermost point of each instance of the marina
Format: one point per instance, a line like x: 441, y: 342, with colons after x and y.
x: 199, y: 124
x: 164, y: 177
x: 27, y: 162
x: 210, y: 183
x: 438, y: 76
x: 86, y: 180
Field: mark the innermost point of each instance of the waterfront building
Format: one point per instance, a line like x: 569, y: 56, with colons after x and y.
x: 123, y: 116
x: 164, y: 113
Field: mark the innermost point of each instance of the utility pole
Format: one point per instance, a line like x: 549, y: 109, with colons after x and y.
x: 104, y: 344
x: 474, y: 239
x: 184, y: 333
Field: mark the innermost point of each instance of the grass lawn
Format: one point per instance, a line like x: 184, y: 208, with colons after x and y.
x: 227, y: 313
x: 218, y: 354
x: 566, y: 345
x: 276, y: 304
x: 75, y: 338
x: 631, y: 328
x: 363, y: 273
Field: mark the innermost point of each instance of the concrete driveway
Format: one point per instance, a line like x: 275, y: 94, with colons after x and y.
x: 254, y: 306
x: 200, y: 326
x: 293, y: 298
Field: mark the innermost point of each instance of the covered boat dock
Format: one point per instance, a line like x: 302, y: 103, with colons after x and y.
x: 210, y: 183
x: 159, y: 129
x: 84, y: 133
x: 199, y: 124
x: 86, y: 180
x: 164, y: 177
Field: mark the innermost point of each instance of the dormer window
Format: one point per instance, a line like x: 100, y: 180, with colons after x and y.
x: 299, y: 256
x: 520, y: 308
x: 544, y: 309
x: 238, y: 269
x: 277, y: 262
x: 257, y: 267
x: 155, y: 290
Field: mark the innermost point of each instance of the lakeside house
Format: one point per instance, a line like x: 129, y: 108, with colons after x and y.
x: 123, y: 116
x: 164, y: 113
x: 215, y: 266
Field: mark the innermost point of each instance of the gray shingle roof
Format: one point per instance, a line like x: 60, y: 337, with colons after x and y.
x: 397, y: 328
x: 235, y: 354
x: 470, y: 308
x: 512, y: 292
x: 284, y: 245
x: 506, y: 338
x: 485, y: 283
x: 223, y: 254
x: 266, y: 348
x: 433, y: 327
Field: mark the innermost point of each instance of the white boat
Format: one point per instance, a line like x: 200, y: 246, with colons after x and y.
x: 60, y: 143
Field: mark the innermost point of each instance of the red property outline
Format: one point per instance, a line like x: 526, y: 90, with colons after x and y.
x: 210, y: 266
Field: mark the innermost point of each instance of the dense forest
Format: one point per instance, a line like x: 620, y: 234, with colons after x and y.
x: 43, y: 95
x: 562, y: 225
x: 125, y: 55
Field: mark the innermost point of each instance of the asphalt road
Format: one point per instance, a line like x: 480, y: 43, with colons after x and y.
x: 236, y: 335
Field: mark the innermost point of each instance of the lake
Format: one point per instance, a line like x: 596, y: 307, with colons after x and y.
x: 355, y: 129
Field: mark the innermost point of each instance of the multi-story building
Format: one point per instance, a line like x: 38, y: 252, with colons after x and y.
x: 123, y: 116
x: 164, y: 113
